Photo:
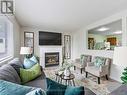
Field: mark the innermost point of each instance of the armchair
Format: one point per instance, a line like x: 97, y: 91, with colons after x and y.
x: 100, y: 66
x: 82, y: 62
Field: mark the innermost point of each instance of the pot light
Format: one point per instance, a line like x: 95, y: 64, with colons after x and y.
x: 103, y: 29
x: 117, y: 32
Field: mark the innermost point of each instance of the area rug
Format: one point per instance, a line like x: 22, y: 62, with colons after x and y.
x: 106, y: 86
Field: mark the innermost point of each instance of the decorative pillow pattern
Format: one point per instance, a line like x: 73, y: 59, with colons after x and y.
x: 27, y: 75
x: 34, y: 59
x: 28, y: 63
x: 99, y: 61
x: 82, y: 59
x: 9, y: 88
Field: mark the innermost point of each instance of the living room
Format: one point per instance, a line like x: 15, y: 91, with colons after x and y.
x: 65, y: 39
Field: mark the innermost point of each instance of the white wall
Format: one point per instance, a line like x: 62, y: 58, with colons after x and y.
x: 36, y: 38
x: 15, y: 49
x: 80, y: 41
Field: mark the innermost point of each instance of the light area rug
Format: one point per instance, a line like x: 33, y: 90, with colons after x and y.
x: 106, y: 86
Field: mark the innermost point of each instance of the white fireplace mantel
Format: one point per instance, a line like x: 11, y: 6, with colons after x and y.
x: 47, y: 49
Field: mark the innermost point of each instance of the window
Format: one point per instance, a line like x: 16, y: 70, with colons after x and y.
x: 6, y: 38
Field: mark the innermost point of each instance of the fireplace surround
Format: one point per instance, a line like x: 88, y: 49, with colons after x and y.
x: 49, y: 49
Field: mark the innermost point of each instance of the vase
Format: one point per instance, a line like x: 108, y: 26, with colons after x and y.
x: 67, y: 72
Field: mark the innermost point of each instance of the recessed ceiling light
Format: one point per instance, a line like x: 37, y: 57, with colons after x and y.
x: 103, y: 29
x: 118, y: 32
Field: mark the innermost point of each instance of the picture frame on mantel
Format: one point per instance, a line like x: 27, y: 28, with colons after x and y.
x: 29, y: 39
x: 67, y: 46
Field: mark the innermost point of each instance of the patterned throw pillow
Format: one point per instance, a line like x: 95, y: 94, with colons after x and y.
x: 28, y: 63
x: 99, y: 61
x: 34, y: 59
x: 82, y: 59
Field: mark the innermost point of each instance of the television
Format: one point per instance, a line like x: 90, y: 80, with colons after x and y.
x: 50, y: 38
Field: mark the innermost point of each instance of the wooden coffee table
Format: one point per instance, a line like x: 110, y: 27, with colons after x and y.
x: 68, y: 80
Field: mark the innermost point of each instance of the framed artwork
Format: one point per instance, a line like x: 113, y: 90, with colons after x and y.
x: 29, y: 39
x: 67, y: 46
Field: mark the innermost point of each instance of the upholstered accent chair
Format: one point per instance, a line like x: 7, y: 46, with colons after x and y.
x: 100, y: 66
x: 82, y: 62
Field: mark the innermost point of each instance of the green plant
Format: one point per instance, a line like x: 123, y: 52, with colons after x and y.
x: 124, y: 76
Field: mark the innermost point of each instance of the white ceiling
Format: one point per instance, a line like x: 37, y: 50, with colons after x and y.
x: 65, y: 15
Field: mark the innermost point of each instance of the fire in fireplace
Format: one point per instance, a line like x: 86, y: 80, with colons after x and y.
x: 51, y: 59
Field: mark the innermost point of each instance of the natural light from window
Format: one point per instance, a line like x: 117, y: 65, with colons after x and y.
x: 6, y: 38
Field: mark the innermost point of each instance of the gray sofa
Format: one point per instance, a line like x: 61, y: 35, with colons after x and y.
x: 10, y: 72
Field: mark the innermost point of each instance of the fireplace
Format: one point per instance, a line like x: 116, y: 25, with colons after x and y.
x: 51, y: 59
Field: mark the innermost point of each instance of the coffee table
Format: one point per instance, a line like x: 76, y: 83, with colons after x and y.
x: 69, y: 80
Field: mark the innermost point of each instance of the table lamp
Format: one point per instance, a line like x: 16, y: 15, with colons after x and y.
x: 26, y: 51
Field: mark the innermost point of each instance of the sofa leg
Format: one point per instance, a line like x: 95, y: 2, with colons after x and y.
x: 98, y: 80
x: 74, y: 67
x: 106, y: 77
x: 86, y: 74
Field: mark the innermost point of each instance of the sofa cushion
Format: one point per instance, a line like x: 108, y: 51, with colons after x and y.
x: 8, y: 73
x: 27, y: 75
x: 9, y: 88
x: 93, y: 70
x: 54, y: 88
x: 70, y: 90
x: 39, y: 82
x: 16, y: 64
x: 28, y: 63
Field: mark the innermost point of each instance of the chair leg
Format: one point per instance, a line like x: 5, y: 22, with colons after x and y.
x: 86, y: 74
x: 106, y: 77
x: 98, y: 80
x: 81, y: 70
x: 74, y: 67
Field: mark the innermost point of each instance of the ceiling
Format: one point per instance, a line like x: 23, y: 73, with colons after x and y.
x: 112, y: 29
x: 65, y: 15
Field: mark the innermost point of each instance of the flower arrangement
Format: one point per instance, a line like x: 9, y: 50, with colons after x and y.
x: 65, y: 67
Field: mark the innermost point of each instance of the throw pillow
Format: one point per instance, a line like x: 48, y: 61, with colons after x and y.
x: 9, y: 88
x: 54, y: 88
x: 37, y: 91
x: 99, y: 61
x: 34, y: 59
x: 8, y: 73
x: 70, y: 90
x: 82, y: 59
x: 16, y: 64
x: 28, y: 63
x: 30, y: 74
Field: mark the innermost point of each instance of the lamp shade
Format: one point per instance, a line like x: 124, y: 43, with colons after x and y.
x: 25, y: 50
